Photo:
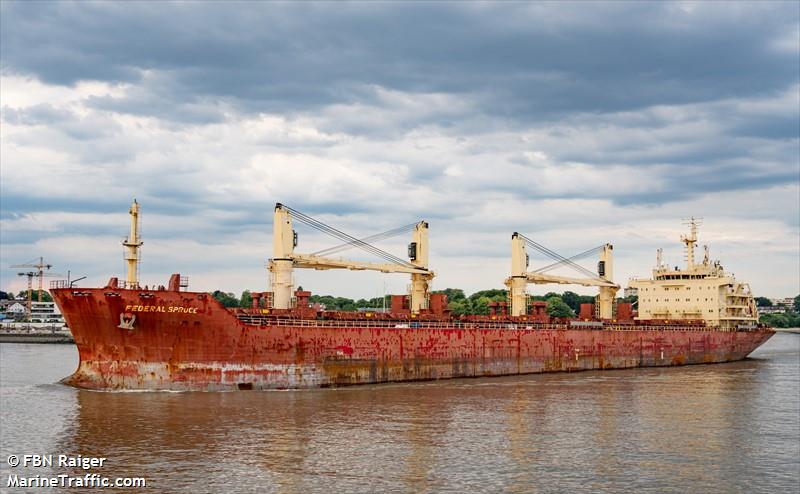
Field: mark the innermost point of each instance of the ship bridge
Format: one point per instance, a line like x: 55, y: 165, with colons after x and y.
x: 699, y: 291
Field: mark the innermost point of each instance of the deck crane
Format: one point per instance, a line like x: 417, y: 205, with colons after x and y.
x: 284, y: 259
x: 520, y: 276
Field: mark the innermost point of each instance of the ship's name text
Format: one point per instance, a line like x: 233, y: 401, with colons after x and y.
x: 161, y: 308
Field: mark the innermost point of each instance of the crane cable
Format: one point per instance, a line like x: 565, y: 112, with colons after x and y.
x: 322, y: 227
x: 372, y: 238
x: 554, y: 255
x: 561, y: 259
x: 576, y: 257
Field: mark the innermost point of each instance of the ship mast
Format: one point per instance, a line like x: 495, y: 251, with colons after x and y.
x: 132, y: 244
x: 690, y: 240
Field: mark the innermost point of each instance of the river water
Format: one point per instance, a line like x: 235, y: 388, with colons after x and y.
x: 709, y: 428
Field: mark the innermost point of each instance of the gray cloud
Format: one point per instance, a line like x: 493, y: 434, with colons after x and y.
x: 522, y: 61
x: 67, y: 122
x: 483, y: 118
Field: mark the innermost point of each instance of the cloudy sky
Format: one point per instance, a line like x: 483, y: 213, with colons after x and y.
x: 574, y: 123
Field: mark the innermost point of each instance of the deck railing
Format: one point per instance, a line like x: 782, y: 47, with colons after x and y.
x: 412, y: 324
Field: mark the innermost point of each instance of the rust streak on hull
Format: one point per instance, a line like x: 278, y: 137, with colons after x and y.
x: 203, y: 346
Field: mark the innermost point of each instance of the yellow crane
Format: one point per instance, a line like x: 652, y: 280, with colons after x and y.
x: 40, y: 273
x: 284, y: 259
x: 520, y: 276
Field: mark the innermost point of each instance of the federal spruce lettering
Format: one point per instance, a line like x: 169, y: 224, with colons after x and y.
x: 161, y: 308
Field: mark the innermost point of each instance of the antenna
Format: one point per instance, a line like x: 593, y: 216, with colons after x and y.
x: 690, y: 239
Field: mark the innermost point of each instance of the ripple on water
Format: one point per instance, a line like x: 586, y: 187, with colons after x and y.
x: 707, y: 428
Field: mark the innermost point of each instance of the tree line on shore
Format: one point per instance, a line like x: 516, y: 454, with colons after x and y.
x: 23, y: 295
x: 789, y: 319
x: 565, y: 304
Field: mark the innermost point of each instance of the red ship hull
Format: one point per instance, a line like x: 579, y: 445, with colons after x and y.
x: 188, y: 341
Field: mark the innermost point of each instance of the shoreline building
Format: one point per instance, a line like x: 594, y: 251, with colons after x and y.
x: 46, y: 312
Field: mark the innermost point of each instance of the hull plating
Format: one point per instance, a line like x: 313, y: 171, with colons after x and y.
x: 187, y: 341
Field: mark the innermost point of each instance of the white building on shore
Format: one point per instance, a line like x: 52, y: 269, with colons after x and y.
x: 46, y: 312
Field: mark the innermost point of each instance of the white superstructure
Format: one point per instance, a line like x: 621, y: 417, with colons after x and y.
x: 699, y: 291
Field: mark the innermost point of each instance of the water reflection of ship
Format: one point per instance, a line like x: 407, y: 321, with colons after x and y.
x: 711, y: 407
x: 198, y: 442
x: 291, y: 442
x: 622, y: 430
x: 626, y: 436
x: 524, y: 445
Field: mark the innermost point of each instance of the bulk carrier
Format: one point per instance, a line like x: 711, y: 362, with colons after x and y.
x: 131, y: 336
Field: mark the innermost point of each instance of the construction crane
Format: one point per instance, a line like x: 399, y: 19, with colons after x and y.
x: 40, y: 273
x: 520, y: 276
x: 40, y: 266
x: 284, y: 259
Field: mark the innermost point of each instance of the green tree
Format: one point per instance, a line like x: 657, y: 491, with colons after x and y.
x: 480, y: 306
x: 335, y: 303
x: 572, y: 299
x: 246, y: 300
x: 453, y: 294
x: 787, y: 320
x: 346, y: 304
x: 460, y: 307
x: 226, y: 299
x: 557, y: 308
x: 763, y: 302
x: 378, y: 302
x: 479, y: 301
x: 797, y: 304
x: 35, y: 295
x: 493, y: 294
